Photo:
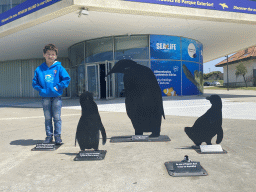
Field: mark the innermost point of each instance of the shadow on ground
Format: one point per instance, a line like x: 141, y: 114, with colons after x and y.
x: 70, y: 154
x: 25, y: 142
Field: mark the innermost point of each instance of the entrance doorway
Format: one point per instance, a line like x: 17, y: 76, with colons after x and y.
x: 101, y: 86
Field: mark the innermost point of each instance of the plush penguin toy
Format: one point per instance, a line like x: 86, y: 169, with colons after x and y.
x: 208, y: 125
x: 90, y: 124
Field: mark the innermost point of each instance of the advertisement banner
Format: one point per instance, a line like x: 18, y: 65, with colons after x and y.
x: 192, y: 78
x: 241, y: 6
x: 165, y: 47
x: 24, y: 9
x: 191, y: 50
x: 168, y: 75
x: 201, y: 71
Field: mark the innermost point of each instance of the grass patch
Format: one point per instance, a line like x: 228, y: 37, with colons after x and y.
x: 231, y: 88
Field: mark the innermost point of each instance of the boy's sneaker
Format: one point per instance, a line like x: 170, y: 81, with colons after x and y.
x: 58, y: 140
x: 48, y: 139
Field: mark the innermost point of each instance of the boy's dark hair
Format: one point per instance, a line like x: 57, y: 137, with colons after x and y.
x: 50, y: 47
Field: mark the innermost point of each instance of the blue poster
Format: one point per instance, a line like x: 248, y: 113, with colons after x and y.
x: 201, y: 58
x: 24, y: 9
x: 201, y: 71
x: 191, y: 50
x: 168, y: 75
x: 192, y: 78
x: 241, y: 6
x: 164, y: 47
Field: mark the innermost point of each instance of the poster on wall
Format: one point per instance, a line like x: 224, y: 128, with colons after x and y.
x: 168, y: 75
x: 201, y: 58
x: 201, y: 71
x: 191, y: 50
x: 192, y: 78
x: 165, y: 47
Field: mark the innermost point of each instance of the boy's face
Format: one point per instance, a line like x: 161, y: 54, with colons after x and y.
x: 50, y: 56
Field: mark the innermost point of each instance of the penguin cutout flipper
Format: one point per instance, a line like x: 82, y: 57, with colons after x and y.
x: 219, y: 135
x: 208, y: 125
x: 103, y: 132
x: 143, y: 97
x: 89, y: 124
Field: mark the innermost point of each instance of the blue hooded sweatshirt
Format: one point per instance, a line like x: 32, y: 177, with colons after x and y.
x: 46, y: 79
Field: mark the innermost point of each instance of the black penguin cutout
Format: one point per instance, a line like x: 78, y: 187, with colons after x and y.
x: 144, y: 104
x: 208, y: 125
x: 90, y: 124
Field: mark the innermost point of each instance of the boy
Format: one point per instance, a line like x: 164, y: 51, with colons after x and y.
x: 50, y: 79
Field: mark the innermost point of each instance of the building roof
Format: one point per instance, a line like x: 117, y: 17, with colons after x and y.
x: 249, y: 53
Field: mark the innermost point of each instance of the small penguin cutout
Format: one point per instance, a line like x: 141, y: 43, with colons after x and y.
x: 208, y: 125
x: 88, y: 129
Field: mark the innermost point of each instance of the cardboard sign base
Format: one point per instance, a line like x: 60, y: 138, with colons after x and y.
x: 90, y: 155
x: 185, y: 169
x: 46, y: 147
x: 139, y: 138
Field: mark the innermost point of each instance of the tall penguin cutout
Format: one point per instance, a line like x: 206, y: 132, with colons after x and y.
x: 144, y: 104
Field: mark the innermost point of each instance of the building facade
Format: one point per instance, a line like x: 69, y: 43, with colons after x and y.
x: 172, y: 38
x: 245, y: 57
x: 165, y: 55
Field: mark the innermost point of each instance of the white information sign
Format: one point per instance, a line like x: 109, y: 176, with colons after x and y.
x: 211, y: 148
x: 139, y: 137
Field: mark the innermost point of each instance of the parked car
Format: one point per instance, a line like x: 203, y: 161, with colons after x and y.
x: 215, y: 83
x: 206, y: 83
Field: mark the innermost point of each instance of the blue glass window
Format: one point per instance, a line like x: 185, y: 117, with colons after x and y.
x: 131, y: 47
x: 99, y: 50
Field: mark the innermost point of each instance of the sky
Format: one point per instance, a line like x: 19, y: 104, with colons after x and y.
x: 210, y: 66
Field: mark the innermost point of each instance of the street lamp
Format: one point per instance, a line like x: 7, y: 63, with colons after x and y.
x: 227, y: 73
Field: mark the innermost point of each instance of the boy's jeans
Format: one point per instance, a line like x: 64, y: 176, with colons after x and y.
x: 52, y: 109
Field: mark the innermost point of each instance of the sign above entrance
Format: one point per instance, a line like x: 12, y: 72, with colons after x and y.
x: 165, y: 47
x: 24, y: 9
x: 244, y: 6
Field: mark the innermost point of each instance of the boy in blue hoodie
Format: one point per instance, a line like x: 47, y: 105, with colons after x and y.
x: 50, y: 79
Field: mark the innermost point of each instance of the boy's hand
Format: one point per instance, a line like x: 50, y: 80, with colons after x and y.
x: 55, y: 88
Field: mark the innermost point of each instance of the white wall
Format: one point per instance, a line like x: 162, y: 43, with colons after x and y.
x: 250, y: 65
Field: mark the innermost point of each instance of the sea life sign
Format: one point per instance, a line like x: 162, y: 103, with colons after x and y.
x: 23, y: 9
x: 244, y: 6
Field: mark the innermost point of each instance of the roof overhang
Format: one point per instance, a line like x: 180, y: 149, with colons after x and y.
x: 221, y: 33
x: 234, y: 62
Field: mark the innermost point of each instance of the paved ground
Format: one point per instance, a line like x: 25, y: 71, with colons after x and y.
x: 127, y: 166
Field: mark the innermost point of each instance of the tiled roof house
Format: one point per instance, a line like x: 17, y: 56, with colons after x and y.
x: 248, y: 58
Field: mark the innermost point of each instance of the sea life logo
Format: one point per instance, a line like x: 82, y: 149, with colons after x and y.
x: 192, y: 50
x: 165, y: 46
x: 48, y: 78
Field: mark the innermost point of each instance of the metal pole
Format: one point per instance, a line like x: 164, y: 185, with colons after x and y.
x: 227, y: 73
